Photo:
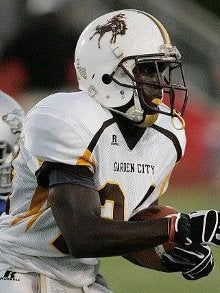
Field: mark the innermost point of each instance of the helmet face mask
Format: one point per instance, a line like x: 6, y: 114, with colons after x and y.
x: 126, y: 56
x: 159, y: 76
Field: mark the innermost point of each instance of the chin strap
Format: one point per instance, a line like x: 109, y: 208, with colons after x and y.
x: 136, y: 116
x: 180, y: 118
x: 126, y: 115
x: 134, y: 113
x: 148, y: 121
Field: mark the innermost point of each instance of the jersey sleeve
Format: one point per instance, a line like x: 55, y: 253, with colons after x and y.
x: 52, y: 135
x: 52, y: 174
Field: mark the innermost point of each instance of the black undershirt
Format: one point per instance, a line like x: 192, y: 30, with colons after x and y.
x: 51, y: 174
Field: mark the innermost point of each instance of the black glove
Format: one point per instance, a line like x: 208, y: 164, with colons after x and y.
x: 180, y: 229
x: 194, y: 261
x: 205, y: 227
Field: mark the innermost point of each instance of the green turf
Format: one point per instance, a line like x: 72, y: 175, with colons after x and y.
x: 124, y: 277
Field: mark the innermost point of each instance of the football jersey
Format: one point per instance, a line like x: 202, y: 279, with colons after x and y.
x: 129, y: 173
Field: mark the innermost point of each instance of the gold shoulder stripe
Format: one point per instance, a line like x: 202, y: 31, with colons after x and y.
x: 40, y: 162
x: 86, y: 160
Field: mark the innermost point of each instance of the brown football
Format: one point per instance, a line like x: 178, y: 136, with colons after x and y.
x: 151, y: 258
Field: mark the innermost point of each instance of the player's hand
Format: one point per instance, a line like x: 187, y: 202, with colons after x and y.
x: 194, y: 261
x: 180, y: 229
x: 205, y: 227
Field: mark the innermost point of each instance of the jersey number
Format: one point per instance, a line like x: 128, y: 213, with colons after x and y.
x: 112, y: 207
x: 112, y: 201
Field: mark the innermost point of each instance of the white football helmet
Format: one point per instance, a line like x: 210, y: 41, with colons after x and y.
x: 11, y: 120
x: 111, y: 47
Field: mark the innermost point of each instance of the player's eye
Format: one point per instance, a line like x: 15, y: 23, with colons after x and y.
x: 149, y: 68
x: 161, y: 66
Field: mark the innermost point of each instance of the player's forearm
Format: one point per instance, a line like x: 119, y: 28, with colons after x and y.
x: 110, y: 238
x: 77, y: 212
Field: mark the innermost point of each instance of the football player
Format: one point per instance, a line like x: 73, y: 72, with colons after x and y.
x: 89, y: 160
x: 11, y: 119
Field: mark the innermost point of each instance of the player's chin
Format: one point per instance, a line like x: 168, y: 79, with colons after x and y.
x: 150, y: 109
x: 153, y: 108
x: 148, y: 120
x: 150, y: 103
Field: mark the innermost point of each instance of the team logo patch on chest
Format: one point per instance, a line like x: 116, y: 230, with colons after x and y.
x: 129, y: 167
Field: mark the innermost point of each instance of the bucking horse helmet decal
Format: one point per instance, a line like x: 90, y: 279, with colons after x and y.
x: 116, y: 25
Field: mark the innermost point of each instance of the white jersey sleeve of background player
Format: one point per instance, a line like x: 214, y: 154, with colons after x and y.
x: 60, y: 127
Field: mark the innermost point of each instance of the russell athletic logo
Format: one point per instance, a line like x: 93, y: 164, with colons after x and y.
x: 9, y: 276
x: 114, y: 140
x: 116, y: 25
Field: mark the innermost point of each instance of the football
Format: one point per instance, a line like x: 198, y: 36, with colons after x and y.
x: 151, y: 258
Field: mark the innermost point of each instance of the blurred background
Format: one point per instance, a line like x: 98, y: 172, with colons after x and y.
x: 37, y: 42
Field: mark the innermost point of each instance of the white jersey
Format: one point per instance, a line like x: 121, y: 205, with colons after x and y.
x: 73, y: 129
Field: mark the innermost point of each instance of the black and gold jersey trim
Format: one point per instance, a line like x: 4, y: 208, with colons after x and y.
x: 150, y: 190
x: 172, y: 137
x: 98, y: 134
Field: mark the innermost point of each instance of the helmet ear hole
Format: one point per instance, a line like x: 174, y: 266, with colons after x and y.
x: 106, y: 78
